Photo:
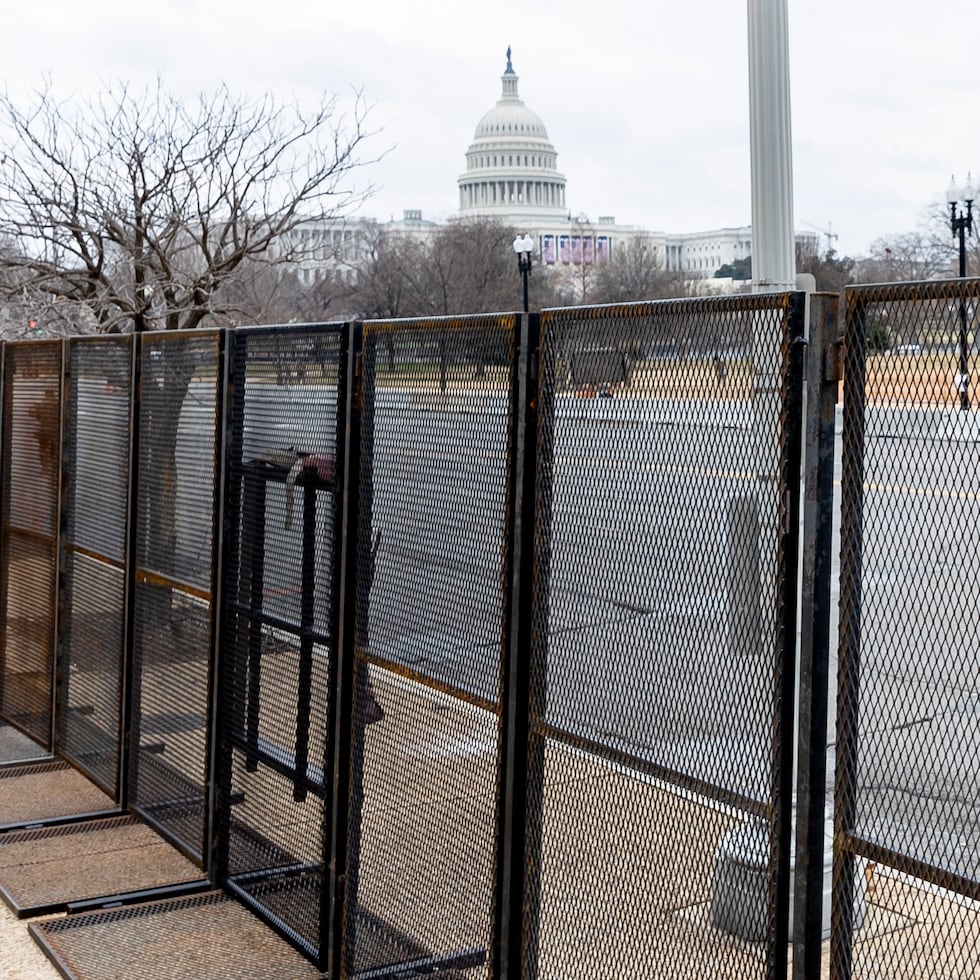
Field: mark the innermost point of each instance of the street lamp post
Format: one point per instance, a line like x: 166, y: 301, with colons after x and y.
x: 961, y: 224
x: 522, y: 246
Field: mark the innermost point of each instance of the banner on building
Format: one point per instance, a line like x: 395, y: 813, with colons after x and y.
x: 548, y: 249
x: 563, y: 253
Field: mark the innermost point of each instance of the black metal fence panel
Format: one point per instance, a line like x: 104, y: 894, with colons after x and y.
x: 176, y: 488
x: 96, y: 466
x: 436, y: 454
x: 278, y: 648
x: 31, y: 454
x: 907, y: 855
x: 659, y: 767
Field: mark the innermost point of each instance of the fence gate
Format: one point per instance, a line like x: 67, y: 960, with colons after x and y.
x: 907, y: 842
x: 96, y: 467
x: 659, y: 769
x: 29, y: 534
x: 278, y: 652
x: 176, y: 487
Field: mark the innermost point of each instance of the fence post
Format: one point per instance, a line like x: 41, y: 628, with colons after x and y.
x: 849, y: 653
x: 227, y: 701
x: 342, y: 814
x: 129, y: 693
x: 520, y: 820
x: 823, y: 376
x: 790, y: 458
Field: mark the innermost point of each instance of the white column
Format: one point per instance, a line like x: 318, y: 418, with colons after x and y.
x: 773, y: 247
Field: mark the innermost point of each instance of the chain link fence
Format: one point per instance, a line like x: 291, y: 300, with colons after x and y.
x: 173, y: 583
x: 94, y: 547
x: 279, y: 648
x: 507, y: 610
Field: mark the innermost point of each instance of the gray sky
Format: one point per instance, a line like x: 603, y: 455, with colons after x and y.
x: 646, y: 101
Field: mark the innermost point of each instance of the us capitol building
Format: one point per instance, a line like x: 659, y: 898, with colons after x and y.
x: 512, y: 175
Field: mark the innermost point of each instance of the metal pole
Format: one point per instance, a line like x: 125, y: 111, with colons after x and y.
x: 773, y: 244
x: 849, y: 647
x: 823, y: 376
x: 519, y: 846
x: 774, y: 269
x: 961, y: 224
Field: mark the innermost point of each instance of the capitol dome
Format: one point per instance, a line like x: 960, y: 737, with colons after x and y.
x: 511, y: 165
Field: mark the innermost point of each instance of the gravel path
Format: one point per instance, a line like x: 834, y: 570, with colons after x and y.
x: 20, y: 957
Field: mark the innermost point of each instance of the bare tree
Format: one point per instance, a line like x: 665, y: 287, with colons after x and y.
x: 937, y: 229
x: 140, y: 209
x: 465, y: 266
x: 908, y: 257
x: 273, y: 294
x: 635, y: 271
x: 831, y: 272
x: 388, y: 274
x: 473, y: 269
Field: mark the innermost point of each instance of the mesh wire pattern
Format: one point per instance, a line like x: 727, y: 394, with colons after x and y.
x: 435, y: 459
x: 92, y: 631
x: 659, y: 741
x: 28, y: 534
x: 659, y: 635
x: 178, y: 420
x: 907, y: 792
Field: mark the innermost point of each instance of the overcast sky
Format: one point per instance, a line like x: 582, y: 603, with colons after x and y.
x: 645, y: 101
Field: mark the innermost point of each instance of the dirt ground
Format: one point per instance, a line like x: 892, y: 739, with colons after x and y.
x: 20, y: 957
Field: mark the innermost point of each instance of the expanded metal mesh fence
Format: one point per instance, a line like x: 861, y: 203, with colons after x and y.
x: 178, y: 418
x: 659, y: 770
x: 31, y: 454
x: 907, y: 864
x: 278, y: 624
x: 93, y: 544
x: 435, y: 464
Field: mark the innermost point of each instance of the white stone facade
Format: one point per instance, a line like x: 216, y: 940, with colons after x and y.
x: 512, y: 175
x: 511, y: 168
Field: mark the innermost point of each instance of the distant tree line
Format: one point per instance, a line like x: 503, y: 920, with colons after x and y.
x: 140, y: 211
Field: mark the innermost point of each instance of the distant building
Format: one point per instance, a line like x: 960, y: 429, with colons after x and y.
x: 512, y: 175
